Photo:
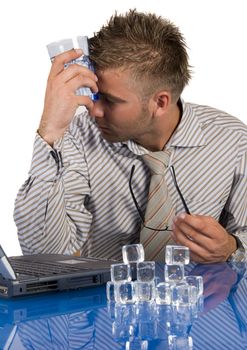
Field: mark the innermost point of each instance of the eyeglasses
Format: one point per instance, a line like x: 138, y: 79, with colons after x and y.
x: 172, y: 170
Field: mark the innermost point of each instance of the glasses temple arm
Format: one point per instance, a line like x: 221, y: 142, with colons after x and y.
x: 172, y: 171
x: 133, y: 196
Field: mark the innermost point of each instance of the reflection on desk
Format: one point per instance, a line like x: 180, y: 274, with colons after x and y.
x: 83, y: 320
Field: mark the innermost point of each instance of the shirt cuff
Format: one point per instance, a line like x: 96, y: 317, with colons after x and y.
x: 46, y: 161
x: 241, y: 240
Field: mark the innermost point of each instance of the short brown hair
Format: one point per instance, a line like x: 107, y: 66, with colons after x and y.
x: 151, y: 47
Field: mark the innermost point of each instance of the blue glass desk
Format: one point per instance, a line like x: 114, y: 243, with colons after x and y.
x: 83, y: 319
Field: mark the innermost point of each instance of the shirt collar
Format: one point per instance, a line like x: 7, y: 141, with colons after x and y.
x: 189, y: 132
x: 134, y: 147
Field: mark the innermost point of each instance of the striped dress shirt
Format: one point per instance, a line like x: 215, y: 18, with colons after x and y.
x: 77, y: 194
x: 87, y: 330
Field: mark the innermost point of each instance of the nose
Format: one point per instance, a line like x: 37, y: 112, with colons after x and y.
x: 98, y: 109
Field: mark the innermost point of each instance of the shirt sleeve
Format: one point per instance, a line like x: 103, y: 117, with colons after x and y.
x: 49, y: 210
x: 235, y: 212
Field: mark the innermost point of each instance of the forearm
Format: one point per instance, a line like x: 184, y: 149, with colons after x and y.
x: 49, y: 214
x: 34, y: 200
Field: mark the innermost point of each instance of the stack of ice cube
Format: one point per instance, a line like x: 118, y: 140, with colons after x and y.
x: 123, y: 288
x: 141, y: 304
x: 177, y: 289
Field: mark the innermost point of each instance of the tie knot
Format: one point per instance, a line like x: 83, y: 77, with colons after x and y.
x: 157, y: 161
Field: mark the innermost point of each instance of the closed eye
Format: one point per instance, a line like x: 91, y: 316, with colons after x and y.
x: 110, y: 99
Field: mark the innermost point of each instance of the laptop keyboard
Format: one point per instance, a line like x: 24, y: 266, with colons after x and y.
x: 38, y: 269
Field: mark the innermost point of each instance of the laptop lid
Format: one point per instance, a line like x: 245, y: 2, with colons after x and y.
x: 32, y: 274
x: 6, y: 269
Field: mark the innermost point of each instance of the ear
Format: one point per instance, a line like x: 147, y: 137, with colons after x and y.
x: 162, y: 101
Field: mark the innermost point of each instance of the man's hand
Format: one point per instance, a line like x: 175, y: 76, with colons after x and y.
x: 61, y: 100
x: 207, y: 240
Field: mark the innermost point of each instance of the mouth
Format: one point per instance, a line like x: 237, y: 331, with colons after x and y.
x: 100, y: 125
x: 103, y: 129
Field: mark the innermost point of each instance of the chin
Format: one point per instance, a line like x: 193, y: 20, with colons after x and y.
x: 110, y: 136
x: 113, y: 138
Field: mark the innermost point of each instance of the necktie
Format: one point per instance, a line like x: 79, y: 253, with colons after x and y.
x: 159, y: 210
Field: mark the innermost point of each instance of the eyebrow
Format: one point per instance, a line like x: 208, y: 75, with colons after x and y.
x: 112, y: 97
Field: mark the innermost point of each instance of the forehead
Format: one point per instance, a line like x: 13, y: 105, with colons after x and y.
x: 115, y: 79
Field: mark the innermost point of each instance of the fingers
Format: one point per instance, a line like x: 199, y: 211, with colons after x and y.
x: 65, y: 57
x: 63, y: 75
x: 82, y: 81
x: 72, y: 77
x: 190, y: 230
x: 207, y: 240
x: 199, y: 226
x: 197, y: 250
x: 85, y: 101
x: 76, y: 69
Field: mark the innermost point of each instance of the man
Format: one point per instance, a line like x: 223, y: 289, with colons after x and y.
x: 77, y: 199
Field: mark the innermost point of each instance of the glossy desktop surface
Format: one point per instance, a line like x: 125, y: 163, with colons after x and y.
x: 84, y: 320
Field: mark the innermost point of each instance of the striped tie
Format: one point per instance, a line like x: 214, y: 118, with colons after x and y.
x: 159, y: 210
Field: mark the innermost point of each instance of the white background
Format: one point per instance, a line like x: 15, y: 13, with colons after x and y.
x: 215, y: 31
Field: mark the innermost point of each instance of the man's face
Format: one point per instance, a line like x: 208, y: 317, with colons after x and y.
x: 120, y: 113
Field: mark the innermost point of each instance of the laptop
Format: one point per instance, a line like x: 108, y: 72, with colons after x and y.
x: 32, y: 274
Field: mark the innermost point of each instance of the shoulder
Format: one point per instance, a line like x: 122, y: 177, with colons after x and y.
x: 207, y: 116
x: 217, y: 117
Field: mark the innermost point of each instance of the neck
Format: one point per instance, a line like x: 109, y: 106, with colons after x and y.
x: 163, y: 129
